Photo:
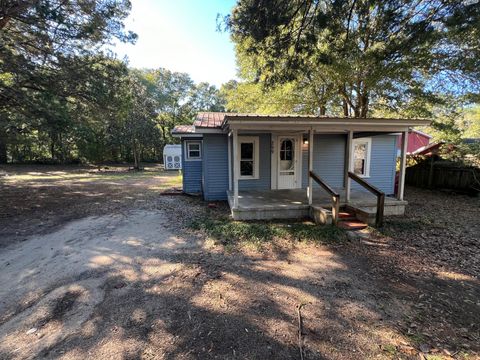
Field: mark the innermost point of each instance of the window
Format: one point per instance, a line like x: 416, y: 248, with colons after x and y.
x: 193, y: 150
x: 248, y: 157
x: 287, y: 155
x: 361, y: 156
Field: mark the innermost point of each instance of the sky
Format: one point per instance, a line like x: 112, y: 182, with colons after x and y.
x: 181, y: 35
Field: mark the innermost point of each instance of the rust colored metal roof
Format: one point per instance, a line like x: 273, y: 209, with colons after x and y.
x: 209, y: 119
x: 428, y: 149
x: 183, y: 129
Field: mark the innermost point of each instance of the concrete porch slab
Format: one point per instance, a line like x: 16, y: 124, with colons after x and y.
x: 293, y: 203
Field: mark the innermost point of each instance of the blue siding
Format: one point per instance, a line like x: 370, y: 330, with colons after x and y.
x: 328, y: 159
x: 215, y: 166
x: 328, y: 162
x: 329, y: 155
x: 192, y: 173
x: 264, y: 180
x: 382, y: 164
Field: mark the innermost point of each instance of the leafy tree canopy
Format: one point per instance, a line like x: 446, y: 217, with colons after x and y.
x: 363, y: 55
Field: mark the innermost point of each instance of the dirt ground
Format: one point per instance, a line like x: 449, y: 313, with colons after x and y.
x: 101, y: 265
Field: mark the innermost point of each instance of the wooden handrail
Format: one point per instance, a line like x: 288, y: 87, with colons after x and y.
x: 323, y: 184
x: 378, y: 193
x: 335, y: 196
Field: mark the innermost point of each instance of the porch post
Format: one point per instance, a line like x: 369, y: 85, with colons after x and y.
x: 310, y: 166
x: 348, y: 165
x: 229, y: 145
x: 403, y: 164
x: 235, y: 168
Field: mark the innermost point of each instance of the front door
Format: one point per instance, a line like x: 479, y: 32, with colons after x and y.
x: 287, y: 165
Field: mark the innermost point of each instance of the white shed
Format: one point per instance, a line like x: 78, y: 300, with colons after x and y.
x: 172, y: 157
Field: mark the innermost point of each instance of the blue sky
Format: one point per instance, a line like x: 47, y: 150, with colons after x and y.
x: 181, y: 35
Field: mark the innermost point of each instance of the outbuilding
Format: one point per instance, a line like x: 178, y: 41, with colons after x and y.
x: 172, y: 157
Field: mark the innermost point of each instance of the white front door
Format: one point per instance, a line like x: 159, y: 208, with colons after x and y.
x: 288, y: 148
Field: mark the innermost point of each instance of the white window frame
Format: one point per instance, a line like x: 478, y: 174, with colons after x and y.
x: 187, y: 150
x: 367, y: 141
x: 256, y: 155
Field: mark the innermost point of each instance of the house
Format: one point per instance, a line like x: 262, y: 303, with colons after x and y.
x: 416, y: 139
x: 292, y: 166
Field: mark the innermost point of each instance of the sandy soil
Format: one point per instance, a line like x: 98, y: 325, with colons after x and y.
x: 129, y: 280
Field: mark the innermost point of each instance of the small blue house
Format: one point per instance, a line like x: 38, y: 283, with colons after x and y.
x: 287, y: 166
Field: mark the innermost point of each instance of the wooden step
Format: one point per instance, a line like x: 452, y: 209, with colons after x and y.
x: 351, y: 225
x: 345, y: 215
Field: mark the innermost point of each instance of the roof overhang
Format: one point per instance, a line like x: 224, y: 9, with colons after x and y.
x: 327, y: 124
x: 187, y: 135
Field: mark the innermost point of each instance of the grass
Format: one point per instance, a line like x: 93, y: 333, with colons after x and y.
x: 166, y: 178
x: 232, y: 233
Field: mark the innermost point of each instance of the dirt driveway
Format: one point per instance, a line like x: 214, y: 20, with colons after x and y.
x: 99, y: 265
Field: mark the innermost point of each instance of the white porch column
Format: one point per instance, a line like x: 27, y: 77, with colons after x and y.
x: 403, y: 163
x: 348, y: 165
x: 229, y: 145
x: 235, y: 168
x: 310, y: 166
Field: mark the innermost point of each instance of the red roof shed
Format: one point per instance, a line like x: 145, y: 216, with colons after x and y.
x: 416, y: 140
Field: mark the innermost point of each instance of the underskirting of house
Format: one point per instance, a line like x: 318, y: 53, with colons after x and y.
x: 293, y: 204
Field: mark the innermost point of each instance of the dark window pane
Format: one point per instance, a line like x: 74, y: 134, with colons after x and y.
x: 246, y: 151
x: 194, y: 146
x: 286, y: 150
x: 246, y: 168
x: 194, y: 154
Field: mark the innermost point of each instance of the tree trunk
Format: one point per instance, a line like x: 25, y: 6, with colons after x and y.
x: 345, y: 108
x: 136, y: 164
x: 52, y: 149
x: 3, y: 146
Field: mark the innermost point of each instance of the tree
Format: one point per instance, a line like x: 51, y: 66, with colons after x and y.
x: 471, y: 122
x: 41, y: 40
x: 139, y: 124
x: 371, y: 54
x: 177, y: 98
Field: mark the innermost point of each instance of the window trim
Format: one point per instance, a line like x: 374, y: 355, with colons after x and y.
x: 187, y: 150
x: 256, y: 156
x: 367, y: 141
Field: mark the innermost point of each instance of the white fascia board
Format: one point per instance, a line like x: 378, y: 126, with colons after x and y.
x: 322, y: 129
x: 337, y: 123
x: 209, y: 131
x: 187, y: 135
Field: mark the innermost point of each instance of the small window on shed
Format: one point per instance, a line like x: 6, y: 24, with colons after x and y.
x: 193, y: 150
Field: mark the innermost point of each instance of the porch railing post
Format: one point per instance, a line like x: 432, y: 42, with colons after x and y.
x: 380, y: 210
x: 335, y: 209
x: 229, y: 144
x: 235, y: 167
x: 310, y: 166
x: 348, y: 165
x: 403, y: 164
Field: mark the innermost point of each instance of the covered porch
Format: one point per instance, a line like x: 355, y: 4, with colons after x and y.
x: 294, y: 203
x: 314, y: 193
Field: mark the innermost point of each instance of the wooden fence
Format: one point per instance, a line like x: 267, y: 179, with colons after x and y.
x: 440, y: 175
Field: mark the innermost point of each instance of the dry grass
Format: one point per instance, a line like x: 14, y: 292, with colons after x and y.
x: 116, y: 272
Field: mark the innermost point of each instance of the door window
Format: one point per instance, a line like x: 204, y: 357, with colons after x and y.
x: 287, y: 155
